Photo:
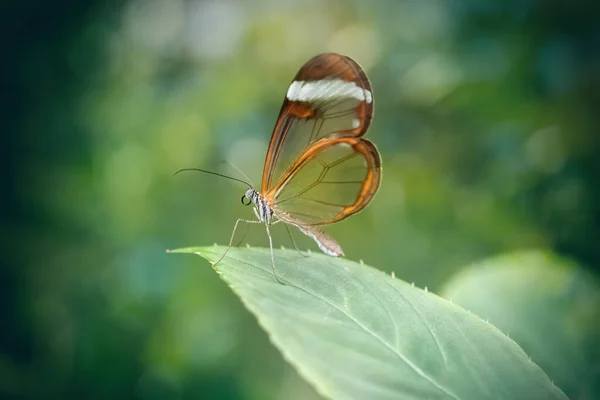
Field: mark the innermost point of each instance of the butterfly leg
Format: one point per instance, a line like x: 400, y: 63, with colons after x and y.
x: 243, y: 236
x: 291, y: 237
x: 293, y: 241
x: 233, y: 235
x: 272, y: 256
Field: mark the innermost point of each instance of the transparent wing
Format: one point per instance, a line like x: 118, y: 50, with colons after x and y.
x: 333, y: 179
x: 329, y: 97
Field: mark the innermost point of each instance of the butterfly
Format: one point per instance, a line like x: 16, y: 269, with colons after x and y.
x: 318, y: 169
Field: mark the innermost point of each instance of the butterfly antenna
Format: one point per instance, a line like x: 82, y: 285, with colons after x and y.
x: 239, y: 170
x: 213, y: 173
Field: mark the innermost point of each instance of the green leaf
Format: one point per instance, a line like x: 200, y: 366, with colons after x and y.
x: 355, y: 333
x: 548, y: 305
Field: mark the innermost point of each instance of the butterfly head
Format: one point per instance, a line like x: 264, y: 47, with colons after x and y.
x: 251, y: 196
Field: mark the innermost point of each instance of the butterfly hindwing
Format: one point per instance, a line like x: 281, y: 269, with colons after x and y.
x: 332, y: 180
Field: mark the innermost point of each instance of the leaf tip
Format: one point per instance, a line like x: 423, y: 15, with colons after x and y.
x: 183, y: 250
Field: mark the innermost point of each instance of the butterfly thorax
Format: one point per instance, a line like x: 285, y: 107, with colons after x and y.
x: 263, y: 210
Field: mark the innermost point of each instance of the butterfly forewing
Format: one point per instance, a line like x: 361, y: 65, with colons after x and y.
x: 333, y: 179
x: 330, y: 97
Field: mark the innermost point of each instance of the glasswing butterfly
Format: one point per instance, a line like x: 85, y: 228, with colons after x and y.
x: 318, y: 169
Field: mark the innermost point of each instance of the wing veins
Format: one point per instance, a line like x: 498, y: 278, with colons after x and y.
x: 300, y: 193
x: 339, y: 114
x: 325, y: 107
x: 326, y: 168
x: 301, y: 214
x: 342, y: 160
x: 314, y: 184
x: 314, y: 133
x: 311, y: 186
x: 326, y: 203
x: 341, y: 182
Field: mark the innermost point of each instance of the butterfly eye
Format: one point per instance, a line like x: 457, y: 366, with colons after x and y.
x: 245, y: 198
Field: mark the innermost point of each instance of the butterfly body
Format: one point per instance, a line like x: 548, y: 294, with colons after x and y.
x: 262, y: 209
x: 265, y: 214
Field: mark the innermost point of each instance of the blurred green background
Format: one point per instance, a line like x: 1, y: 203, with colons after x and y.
x: 486, y: 116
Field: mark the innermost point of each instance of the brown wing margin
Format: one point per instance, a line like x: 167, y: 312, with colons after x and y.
x: 369, y: 186
x: 321, y: 67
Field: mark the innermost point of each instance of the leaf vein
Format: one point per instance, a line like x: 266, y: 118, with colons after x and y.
x: 390, y: 348
x: 429, y: 329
